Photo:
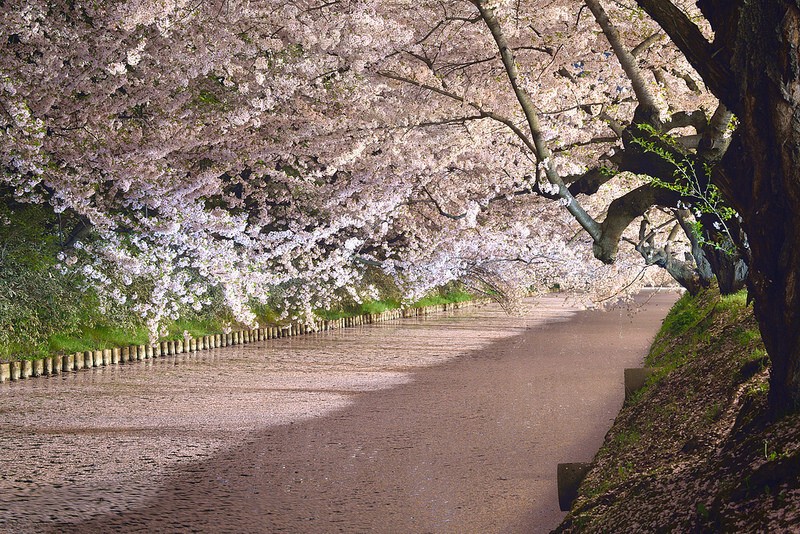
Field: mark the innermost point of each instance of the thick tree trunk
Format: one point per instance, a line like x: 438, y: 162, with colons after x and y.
x: 761, y: 174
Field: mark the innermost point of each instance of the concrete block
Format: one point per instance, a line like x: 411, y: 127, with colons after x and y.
x: 68, y: 363
x: 26, y: 369
x: 106, y: 356
x: 55, y: 365
x: 115, y: 355
x: 5, y: 372
x: 570, y: 476
x: 636, y: 378
x: 38, y: 367
x: 148, y: 352
x: 97, y: 358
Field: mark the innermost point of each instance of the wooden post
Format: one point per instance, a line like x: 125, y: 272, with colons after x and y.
x: 55, y: 365
x: 15, y: 369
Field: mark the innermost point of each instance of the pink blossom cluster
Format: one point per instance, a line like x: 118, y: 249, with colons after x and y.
x: 269, y: 149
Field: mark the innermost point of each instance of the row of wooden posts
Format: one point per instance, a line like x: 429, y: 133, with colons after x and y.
x: 57, y: 364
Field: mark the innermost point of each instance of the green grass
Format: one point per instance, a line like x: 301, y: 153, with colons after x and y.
x: 671, y: 345
x: 43, y: 311
x: 379, y: 306
x: 685, y: 333
x: 96, y: 337
x: 442, y: 298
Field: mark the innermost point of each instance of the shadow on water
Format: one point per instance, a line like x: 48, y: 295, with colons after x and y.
x: 464, y: 445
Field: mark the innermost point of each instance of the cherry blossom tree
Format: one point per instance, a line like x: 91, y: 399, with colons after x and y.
x: 268, y: 148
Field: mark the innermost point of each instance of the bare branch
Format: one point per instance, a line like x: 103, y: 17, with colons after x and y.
x: 696, y: 119
x: 715, y: 141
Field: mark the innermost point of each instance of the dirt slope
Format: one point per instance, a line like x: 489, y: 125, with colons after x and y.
x: 694, y: 451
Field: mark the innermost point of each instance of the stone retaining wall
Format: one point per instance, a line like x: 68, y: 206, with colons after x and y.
x: 54, y: 365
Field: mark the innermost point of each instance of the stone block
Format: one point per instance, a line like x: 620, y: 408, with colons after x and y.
x: 636, y: 378
x: 570, y: 476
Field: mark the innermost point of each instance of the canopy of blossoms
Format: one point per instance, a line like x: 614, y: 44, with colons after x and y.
x: 273, y: 148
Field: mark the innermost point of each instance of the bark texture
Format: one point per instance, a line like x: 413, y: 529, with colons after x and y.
x: 753, y: 66
x: 761, y: 175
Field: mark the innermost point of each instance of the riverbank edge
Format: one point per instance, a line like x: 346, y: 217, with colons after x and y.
x: 696, y: 450
x: 64, y: 363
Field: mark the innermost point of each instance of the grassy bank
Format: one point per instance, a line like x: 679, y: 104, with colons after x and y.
x: 694, y: 450
x: 87, y: 329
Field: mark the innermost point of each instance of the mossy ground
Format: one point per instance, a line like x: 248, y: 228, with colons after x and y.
x: 694, y: 451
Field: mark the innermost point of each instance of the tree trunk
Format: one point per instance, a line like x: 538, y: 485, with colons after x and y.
x: 761, y: 175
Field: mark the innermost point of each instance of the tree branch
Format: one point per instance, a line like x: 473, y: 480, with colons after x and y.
x: 621, y: 213
x: 540, y: 149
x: 626, y: 59
x: 458, y: 98
x: 705, y: 58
